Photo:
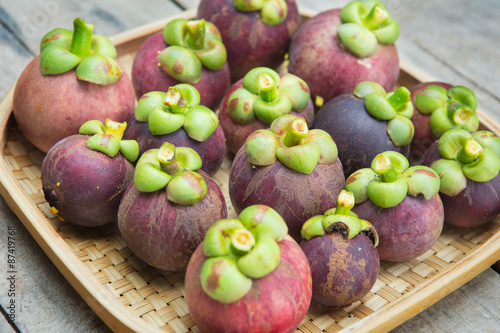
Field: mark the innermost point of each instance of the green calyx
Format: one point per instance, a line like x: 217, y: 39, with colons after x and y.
x: 340, y: 219
x: 266, y: 96
x: 239, y: 250
x: 192, y: 44
x: 271, y: 12
x: 107, y: 139
x: 395, y: 107
x: 93, y: 56
x: 365, y: 24
x: 390, y: 179
x: 465, y: 155
x: 174, y: 168
x: 166, y: 112
x: 449, y: 109
x: 291, y: 142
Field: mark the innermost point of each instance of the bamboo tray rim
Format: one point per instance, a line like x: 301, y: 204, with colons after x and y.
x: 118, y: 319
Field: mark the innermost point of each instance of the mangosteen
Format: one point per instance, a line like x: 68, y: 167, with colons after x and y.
x: 256, y: 33
x: 401, y: 202
x: 440, y: 107
x: 288, y: 168
x: 255, y: 101
x: 75, y: 75
x: 177, y: 117
x: 468, y: 165
x: 339, y: 48
x: 341, y: 250
x: 248, y: 275
x: 83, y: 178
x: 187, y: 51
x: 367, y: 122
x: 165, y: 212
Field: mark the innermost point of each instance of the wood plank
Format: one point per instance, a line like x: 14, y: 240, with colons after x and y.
x: 31, y: 19
x: 472, y: 308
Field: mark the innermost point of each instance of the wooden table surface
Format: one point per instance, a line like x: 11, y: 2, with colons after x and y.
x: 454, y: 41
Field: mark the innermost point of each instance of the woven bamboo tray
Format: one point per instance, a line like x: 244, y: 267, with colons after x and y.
x: 131, y: 296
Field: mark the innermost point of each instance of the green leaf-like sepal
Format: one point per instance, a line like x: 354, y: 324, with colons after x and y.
x: 246, y: 247
x: 261, y: 147
x: 92, y: 127
x: 130, y: 149
x: 186, y: 188
x: 488, y: 140
x: 452, y: 178
x: 422, y: 180
x: 358, y: 181
x: 365, y: 88
x: 266, y: 96
x: 99, y: 69
x: 179, y: 107
x: 366, y: 18
x: 191, y: 45
x: 339, y: 219
x: 431, y: 98
x: 92, y: 55
x: 301, y: 158
x: 188, y: 157
x: 272, y: 12
x: 400, y: 130
x: 328, y: 148
x: 104, y: 143
x: 222, y: 280
x: 484, y: 168
x: 148, y: 177
x: 387, y: 195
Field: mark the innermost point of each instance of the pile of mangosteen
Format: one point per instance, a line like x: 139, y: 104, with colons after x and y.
x: 334, y: 167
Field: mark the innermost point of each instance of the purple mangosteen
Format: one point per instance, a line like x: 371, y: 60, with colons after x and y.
x: 440, y: 107
x: 289, y: 168
x: 341, y: 250
x: 367, y: 122
x: 255, y: 101
x: 248, y: 276
x: 166, y: 210
x: 187, y: 51
x: 256, y: 33
x: 75, y: 75
x: 85, y: 175
x: 401, y: 202
x: 468, y: 165
x: 177, y: 117
x: 339, y: 48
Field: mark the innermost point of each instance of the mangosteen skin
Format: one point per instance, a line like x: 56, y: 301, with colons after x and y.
x: 237, y: 134
x: 316, y: 57
x: 343, y: 271
x: 423, y: 136
x: 148, y: 76
x: 211, y: 151
x: 294, y: 195
x: 249, y: 42
x: 86, y: 186
x: 477, y: 204
x: 165, y: 234
x: 277, y: 302
x: 49, y: 108
x: 407, y: 230
x: 358, y: 135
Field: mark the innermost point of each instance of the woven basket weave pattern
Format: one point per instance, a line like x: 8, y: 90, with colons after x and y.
x: 158, y: 296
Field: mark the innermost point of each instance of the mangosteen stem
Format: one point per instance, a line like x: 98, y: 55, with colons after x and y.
x: 296, y: 132
x: 166, y: 157
x: 82, y: 34
x: 459, y: 113
x: 115, y: 128
x: 469, y: 152
x: 268, y: 90
x: 242, y: 240
x: 174, y: 101
x: 345, y: 203
x: 400, y: 98
x: 196, y: 34
x: 375, y: 18
x: 382, y: 165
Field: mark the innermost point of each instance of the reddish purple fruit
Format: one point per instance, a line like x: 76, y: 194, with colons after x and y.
x: 248, y: 276
x: 291, y: 169
x: 401, y: 202
x: 255, y: 33
x: 341, y: 250
x: 327, y: 54
x: 468, y: 166
x: 186, y: 58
